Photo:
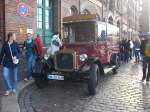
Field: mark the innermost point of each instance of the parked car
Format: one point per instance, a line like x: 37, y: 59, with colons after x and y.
x: 89, y: 46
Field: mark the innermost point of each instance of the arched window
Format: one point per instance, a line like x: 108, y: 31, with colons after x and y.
x: 112, y: 5
x: 118, y: 24
x: 98, y: 17
x: 110, y: 20
x: 73, y: 10
x: 85, y: 11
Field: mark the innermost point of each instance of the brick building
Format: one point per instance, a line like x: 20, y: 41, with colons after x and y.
x: 45, y: 16
x: 145, y: 18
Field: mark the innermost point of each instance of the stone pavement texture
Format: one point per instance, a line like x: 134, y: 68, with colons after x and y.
x: 122, y: 92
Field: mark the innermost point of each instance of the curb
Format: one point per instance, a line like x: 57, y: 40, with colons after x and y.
x: 10, y: 103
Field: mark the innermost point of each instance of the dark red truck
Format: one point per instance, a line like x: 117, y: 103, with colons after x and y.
x: 89, y: 47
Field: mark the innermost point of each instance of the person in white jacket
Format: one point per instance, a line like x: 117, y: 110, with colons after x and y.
x: 55, y: 45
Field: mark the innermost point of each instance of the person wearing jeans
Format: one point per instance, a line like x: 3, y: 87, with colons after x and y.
x: 146, y: 59
x: 29, y: 46
x: 146, y: 65
x: 10, y: 51
x: 10, y: 85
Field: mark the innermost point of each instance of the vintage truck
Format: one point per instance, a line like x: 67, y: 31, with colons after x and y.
x: 89, y: 47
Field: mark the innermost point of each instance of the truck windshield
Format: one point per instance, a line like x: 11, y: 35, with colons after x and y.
x: 79, y: 32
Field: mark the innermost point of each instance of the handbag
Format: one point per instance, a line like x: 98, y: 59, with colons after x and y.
x: 15, y: 61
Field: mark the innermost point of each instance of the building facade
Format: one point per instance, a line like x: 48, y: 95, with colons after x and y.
x: 45, y: 16
x: 145, y: 18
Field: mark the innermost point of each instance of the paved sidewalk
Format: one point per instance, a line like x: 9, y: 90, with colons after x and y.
x: 1, y: 90
x: 10, y: 103
x: 20, y: 78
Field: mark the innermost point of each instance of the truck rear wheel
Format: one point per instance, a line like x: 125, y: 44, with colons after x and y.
x: 116, y: 62
x: 93, y: 79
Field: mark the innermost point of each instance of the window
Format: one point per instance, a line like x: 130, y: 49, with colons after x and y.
x: 98, y: 17
x: 73, y: 11
x: 39, y: 18
x: 44, y: 20
x: 118, y: 24
x: 79, y: 32
x: 39, y: 2
x: 110, y: 20
x: 86, y: 11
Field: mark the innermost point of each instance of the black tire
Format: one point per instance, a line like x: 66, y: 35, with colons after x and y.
x: 116, y: 61
x: 93, y: 79
x: 114, y: 70
x: 41, y: 81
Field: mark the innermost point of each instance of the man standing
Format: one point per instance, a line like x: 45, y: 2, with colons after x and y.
x: 146, y: 60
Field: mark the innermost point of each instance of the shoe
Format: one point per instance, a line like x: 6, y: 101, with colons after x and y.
x: 142, y: 81
x: 25, y: 79
x: 7, y: 93
x: 147, y: 81
x: 14, y: 90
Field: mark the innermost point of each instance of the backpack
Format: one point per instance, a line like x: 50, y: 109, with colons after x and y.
x: 39, y: 46
x: 56, y: 43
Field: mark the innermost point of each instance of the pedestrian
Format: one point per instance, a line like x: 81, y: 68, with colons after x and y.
x: 121, y: 51
x: 9, y: 58
x: 131, y: 46
x: 137, y: 44
x: 38, y: 45
x: 38, y: 48
x: 126, y: 51
x: 142, y: 46
x: 29, y: 47
x: 55, y: 45
x: 146, y: 60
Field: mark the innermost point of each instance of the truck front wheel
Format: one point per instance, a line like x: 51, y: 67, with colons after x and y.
x: 41, y: 80
x: 93, y: 79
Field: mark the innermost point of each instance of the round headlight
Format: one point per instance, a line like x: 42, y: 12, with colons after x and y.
x: 83, y: 57
x: 46, y: 57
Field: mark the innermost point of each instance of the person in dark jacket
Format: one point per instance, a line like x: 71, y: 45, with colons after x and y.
x: 126, y: 50
x: 146, y: 59
x: 10, y: 51
x: 137, y: 45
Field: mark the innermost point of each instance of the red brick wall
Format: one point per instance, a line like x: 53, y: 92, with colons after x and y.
x: 13, y: 20
x: 2, y: 19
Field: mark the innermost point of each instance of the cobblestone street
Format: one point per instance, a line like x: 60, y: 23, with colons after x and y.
x: 122, y: 92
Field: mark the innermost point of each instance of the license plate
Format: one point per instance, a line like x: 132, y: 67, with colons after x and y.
x: 55, y: 77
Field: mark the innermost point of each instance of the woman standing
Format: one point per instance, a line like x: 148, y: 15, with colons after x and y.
x: 9, y: 53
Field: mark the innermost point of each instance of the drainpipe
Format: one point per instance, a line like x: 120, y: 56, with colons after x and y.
x: 79, y: 6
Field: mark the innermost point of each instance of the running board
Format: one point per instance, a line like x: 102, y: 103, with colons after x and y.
x: 109, y: 69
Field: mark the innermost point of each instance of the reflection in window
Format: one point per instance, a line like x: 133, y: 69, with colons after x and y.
x: 47, y: 25
x: 79, y: 32
x: 39, y: 25
x: 39, y: 2
x: 47, y: 3
x: 39, y: 18
x: 46, y: 15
